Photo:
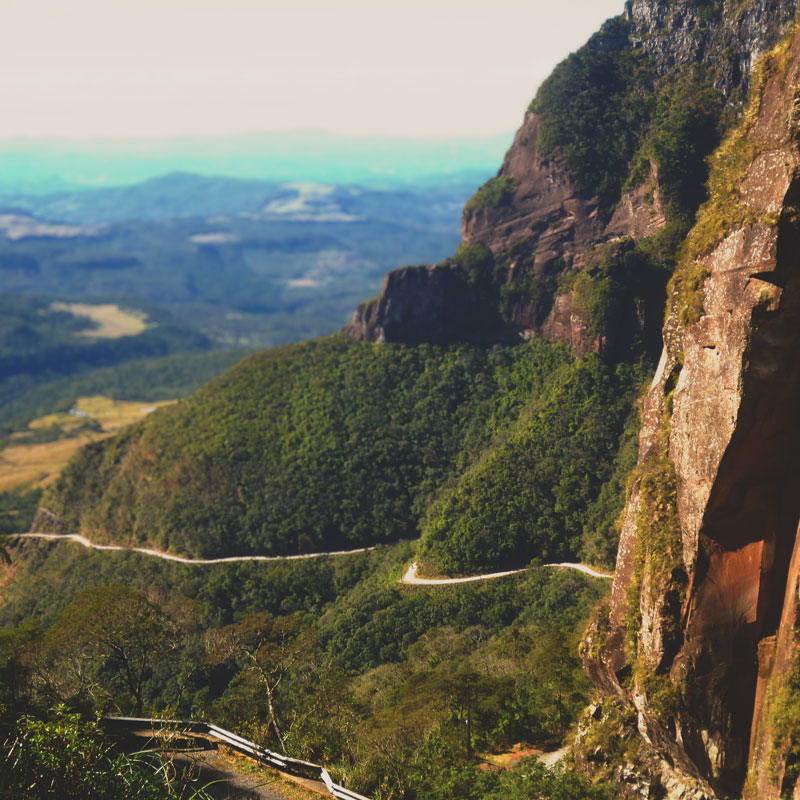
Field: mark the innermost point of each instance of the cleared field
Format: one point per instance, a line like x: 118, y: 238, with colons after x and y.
x: 36, y: 465
x: 113, y: 322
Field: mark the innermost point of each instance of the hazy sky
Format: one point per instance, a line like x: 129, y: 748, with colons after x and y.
x: 157, y: 68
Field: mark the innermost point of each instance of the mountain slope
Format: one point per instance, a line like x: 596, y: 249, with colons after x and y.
x: 332, y: 444
x: 501, y: 453
x: 612, y: 148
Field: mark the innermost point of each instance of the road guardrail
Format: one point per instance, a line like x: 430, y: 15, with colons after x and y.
x: 283, y: 763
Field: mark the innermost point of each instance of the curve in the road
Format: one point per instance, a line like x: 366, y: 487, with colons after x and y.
x: 194, y: 562
x: 410, y: 575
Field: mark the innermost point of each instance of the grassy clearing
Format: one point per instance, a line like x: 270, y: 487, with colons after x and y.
x: 111, y: 414
x: 112, y: 321
x: 27, y: 461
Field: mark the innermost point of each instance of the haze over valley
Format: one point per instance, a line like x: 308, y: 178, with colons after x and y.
x: 383, y: 454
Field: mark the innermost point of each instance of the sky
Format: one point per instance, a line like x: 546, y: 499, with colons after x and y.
x: 162, y: 68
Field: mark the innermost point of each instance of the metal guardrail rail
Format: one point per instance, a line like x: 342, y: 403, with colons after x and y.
x: 339, y: 791
x: 293, y: 766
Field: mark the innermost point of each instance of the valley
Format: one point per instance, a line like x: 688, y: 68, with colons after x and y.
x: 103, y: 290
x: 536, y: 495
x: 34, y: 457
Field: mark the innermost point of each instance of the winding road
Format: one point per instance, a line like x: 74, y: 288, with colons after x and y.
x: 194, y: 562
x: 409, y: 577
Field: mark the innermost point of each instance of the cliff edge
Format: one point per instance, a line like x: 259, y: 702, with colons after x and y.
x: 600, y: 184
x: 700, y: 640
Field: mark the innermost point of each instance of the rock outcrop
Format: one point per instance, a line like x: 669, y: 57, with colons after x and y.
x: 544, y: 203
x: 700, y: 638
x: 540, y: 221
x: 428, y: 303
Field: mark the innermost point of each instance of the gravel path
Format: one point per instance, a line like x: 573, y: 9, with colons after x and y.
x: 410, y: 575
x: 194, y: 562
x: 223, y: 774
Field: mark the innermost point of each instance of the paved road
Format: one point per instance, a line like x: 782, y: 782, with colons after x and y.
x: 195, y: 562
x: 224, y: 775
x: 551, y: 759
x: 410, y: 575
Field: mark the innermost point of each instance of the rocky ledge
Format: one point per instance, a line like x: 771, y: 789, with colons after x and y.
x: 700, y: 639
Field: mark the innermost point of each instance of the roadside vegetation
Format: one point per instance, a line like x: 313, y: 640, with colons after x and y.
x: 399, y: 690
x: 65, y: 756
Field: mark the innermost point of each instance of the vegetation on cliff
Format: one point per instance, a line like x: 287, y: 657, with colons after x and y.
x: 593, y: 106
x: 608, y: 111
x: 495, y: 192
x: 623, y: 119
x: 725, y: 210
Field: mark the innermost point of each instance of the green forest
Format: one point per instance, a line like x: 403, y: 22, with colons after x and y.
x: 332, y: 445
x: 401, y: 690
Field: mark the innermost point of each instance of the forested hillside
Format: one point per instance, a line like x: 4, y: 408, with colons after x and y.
x: 401, y: 691
x: 333, y: 444
x: 481, y: 413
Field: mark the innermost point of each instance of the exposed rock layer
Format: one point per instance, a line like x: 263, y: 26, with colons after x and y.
x: 548, y: 224
x: 728, y: 386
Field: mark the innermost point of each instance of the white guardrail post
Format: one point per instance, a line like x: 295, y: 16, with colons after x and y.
x: 339, y: 791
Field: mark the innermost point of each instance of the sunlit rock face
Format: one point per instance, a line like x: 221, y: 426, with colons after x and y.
x: 714, y: 631
x: 542, y: 224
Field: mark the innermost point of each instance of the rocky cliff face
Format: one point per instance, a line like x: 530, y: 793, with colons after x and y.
x: 543, y: 222
x: 428, y: 303
x: 731, y: 33
x: 700, y: 640
x: 698, y: 651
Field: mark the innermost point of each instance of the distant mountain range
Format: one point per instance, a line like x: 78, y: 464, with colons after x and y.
x: 218, y: 261
x: 45, y: 166
x: 182, y: 194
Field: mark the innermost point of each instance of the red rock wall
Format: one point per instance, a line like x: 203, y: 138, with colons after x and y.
x: 544, y: 192
x: 728, y: 386
x: 777, y: 657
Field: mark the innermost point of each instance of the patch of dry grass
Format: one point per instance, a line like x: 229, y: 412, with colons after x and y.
x: 510, y: 759
x: 113, y: 322
x: 38, y: 464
